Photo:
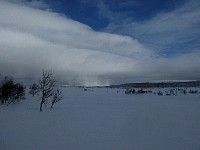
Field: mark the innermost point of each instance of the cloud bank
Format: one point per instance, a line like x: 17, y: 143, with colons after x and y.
x: 32, y: 39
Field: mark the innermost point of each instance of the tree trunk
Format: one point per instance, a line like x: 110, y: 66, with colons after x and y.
x: 52, y: 105
x: 41, y: 105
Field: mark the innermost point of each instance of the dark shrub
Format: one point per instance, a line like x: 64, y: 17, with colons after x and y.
x: 11, y: 92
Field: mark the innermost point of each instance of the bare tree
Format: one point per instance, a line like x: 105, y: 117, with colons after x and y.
x: 34, y: 89
x: 47, y: 85
x: 57, y: 96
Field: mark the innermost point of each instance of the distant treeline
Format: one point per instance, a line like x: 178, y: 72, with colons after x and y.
x: 158, y: 85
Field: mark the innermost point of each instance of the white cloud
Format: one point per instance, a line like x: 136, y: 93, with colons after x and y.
x: 174, y: 31
x: 32, y: 39
x: 31, y: 3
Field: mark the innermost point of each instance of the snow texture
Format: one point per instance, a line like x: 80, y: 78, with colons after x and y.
x: 103, y: 119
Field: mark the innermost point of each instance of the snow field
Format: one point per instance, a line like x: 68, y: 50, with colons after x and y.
x: 103, y: 119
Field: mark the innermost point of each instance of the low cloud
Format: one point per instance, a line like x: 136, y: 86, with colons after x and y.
x: 32, y: 39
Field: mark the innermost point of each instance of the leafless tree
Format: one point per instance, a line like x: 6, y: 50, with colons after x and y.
x: 34, y: 89
x: 57, y: 96
x: 47, y: 85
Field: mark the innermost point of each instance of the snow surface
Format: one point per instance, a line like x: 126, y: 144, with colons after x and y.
x: 103, y: 119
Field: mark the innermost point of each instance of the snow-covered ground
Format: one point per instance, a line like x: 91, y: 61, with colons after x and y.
x: 103, y: 119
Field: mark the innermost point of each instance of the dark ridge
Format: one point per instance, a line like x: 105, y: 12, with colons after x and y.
x: 157, y: 85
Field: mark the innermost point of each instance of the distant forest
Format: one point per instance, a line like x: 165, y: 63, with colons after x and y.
x: 158, y: 85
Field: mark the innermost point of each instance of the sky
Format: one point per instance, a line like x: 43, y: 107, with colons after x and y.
x: 99, y: 42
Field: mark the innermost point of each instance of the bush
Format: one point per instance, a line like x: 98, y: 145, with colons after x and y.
x: 11, y: 92
x: 160, y: 93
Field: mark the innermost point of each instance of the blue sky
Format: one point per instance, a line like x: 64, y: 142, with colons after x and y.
x: 126, y: 16
x: 99, y: 42
x: 90, y: 12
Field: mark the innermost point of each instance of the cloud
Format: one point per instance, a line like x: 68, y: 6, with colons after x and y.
x: 168, y: 33
x: 113, y: 11
x: 31, y: 3
x: 32, y: 39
